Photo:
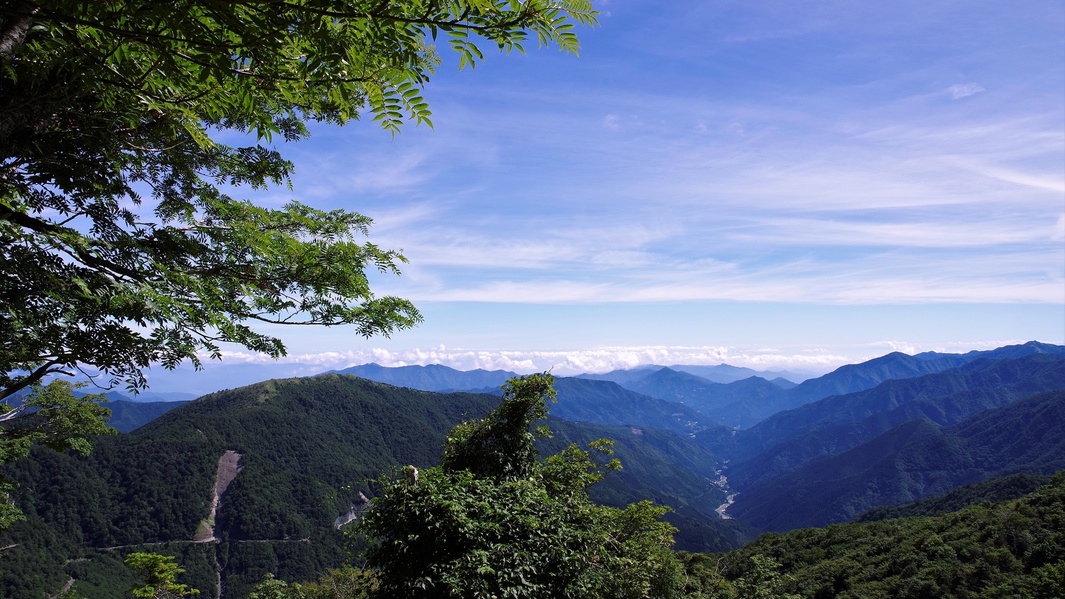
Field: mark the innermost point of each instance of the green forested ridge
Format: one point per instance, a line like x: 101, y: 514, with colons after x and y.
x: 303, y: 441
x: 1010, y: 549
x: 994, y: 490
x: 914, y: 460
x: 47, y: 415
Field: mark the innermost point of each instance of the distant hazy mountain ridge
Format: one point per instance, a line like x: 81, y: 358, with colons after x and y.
x: 433, y: 377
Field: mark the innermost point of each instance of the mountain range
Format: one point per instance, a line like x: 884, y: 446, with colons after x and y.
x: 911, y: 461
x: 840, y: 422
x: 299, y: 455
x: 737, y: 402
x: 308, y: 450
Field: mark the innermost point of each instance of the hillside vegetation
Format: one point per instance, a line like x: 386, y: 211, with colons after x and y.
x: 308, y: 448
x: 1010, y: 549
x: 914, y: 460
x: 305, y: 455
x: 993, y: 490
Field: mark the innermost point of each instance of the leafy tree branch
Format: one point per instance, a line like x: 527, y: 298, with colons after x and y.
x: 121, y: 245
x: 101, y: 101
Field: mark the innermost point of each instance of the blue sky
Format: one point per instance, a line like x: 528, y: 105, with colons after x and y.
x: 770, y: 184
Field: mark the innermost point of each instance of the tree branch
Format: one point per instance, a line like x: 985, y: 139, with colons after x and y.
x: 15, y: 33
x: 26, y: 381
x: 45, y: 228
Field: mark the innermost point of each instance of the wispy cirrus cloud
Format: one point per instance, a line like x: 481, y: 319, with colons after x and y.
x: 964, y: 90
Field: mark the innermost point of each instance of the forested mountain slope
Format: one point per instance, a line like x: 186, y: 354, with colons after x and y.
x: 308, y: 448
x: 911, y: 461
x: 992, y: 490
x: 786, y: 440
x: 301, y: 441
x: 1009, y: 549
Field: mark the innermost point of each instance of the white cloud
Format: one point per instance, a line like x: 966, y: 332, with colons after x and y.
x: 1053, y: 182
x: 964, y: 90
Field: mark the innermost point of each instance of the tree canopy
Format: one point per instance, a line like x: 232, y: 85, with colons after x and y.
x: 159, y: 577
x: 52, y: 416
x: 1013, y: 548
x: 120, y: 242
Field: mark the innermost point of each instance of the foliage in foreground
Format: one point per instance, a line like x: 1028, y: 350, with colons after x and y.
x: 120, y: 244
x: 158, y: 577
x: 343, y: 583
x: 494, y: 521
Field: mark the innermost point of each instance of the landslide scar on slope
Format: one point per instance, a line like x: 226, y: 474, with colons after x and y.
x: 229, y: 466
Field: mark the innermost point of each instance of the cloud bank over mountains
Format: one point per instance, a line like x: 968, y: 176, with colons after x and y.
x: 810, y: 360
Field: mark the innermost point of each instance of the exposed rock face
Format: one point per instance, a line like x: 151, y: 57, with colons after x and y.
x: 229, y: 466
